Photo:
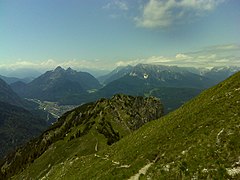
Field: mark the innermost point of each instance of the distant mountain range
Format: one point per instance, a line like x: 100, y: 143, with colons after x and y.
x: 20, y: 73
x: 174, y: 85
x: 200, y: 140
x: 57, y: 84
x: 220, y: 73
x: 153, y: 76
x: 215, y: 74
x: 10, y: 80
x: 115, y: 74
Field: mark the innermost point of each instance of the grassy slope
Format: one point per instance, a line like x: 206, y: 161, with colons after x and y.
x: 172, y: 98
x: 17, y: 126
x: 101, y: 124
x: 199, y: 140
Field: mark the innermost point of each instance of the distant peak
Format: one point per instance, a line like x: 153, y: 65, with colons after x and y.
x: 59, y: 68
x: 69, y: 69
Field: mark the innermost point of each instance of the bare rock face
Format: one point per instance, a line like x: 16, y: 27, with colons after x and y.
x: 141, y: 110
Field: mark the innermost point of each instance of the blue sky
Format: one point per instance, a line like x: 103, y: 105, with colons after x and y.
x: 106, y: 33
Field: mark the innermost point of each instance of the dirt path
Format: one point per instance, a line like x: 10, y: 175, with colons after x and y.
x: 116, y: 163
x: 141, y: 171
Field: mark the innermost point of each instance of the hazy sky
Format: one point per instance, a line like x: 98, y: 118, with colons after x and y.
x: 106, y: 33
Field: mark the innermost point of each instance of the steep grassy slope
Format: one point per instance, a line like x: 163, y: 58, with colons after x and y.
x: 83, y: 131
x: 20, y: 120
x: 173, y: 98
x: 17, y: 126
x: 10, y: 80
x: 8, y: 95
x: 200, y: 141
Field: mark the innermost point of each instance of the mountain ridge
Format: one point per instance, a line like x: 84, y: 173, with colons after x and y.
x: 20, y: 120
x: 17, y: 126
x: 217, y: 73
x: 57, y: 84
x: 94, y: 126
x: 8, y: 95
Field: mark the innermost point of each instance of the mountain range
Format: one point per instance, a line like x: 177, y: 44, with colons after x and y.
x: 10, y: 80
x: 173, y: 85
x: 57, y: 84
x: 20, y: 73
x: 200, y: 140
x: 215, y: 74
x: 220, y: 73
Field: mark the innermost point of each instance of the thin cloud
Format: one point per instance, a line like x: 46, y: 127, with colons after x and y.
x: 117, y: 4
x: 164, y: 13
x: 226, y: 47
x: 52, y: 64
x: 212, y: 56
x: 220, y: 55
x: 232, y: 49
x: 131, y: 62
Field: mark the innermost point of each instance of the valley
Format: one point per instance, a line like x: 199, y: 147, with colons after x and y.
x: 52, y: 107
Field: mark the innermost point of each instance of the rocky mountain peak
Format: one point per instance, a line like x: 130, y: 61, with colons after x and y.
x: 58, y: 69
x: 69, y: 69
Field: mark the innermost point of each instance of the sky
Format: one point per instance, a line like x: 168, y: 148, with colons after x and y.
x: 104, y: 34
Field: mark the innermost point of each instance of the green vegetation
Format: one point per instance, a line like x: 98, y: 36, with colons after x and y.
x: 20, y: 120
x: 8, y: 96
x: 171, y: 97
x: 17, y: 126
x: 200, y: 140
x: 85, y: 130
